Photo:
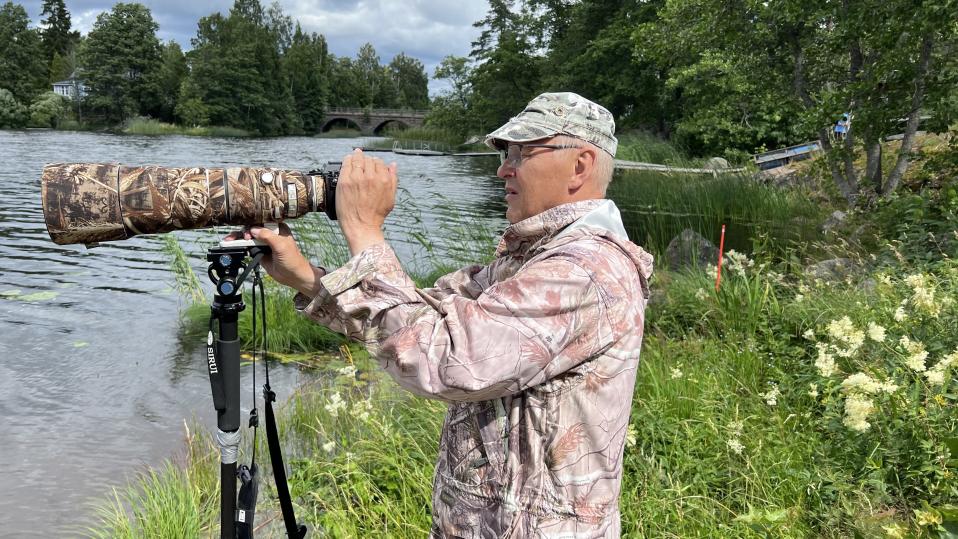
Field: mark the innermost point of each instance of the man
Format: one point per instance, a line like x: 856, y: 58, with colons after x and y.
x: 536, y: 353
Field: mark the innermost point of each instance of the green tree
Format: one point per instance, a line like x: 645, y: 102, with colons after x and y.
x: 306, y: 64
x: 57, y: 37
x: 12, y: 113
x: 48, y: 109
x: 370, y: 77
x: 507, y: 73
x: 345, y: 85
x: 754, y: 72
x: 410, y: 80
x: 235, y: 70
x: 452, y: 108
x: 24, y: 73
x: 167, y: 80
x: 120, y: 59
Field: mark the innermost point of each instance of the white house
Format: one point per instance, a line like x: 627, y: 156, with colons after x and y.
x: 69, y: 88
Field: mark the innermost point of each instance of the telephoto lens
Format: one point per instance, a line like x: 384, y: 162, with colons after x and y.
x: 90, y: 203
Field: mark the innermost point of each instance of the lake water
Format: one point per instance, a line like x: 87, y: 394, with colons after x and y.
x: 96, y: 380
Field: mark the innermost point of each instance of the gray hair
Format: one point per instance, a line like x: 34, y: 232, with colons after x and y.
x: 604, y: 162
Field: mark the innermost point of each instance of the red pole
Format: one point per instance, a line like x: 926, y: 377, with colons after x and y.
x: 718, y: 273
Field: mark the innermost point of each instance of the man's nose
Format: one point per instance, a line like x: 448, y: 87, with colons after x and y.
x: 506, y: 170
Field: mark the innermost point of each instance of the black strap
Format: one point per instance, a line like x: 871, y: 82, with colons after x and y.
x: 246, y: 503
x: 279, y: 470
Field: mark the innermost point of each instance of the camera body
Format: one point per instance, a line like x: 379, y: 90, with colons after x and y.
x: 90, y: 203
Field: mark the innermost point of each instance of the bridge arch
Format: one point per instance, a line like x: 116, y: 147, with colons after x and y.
x: 339, y: 121
x: 390, y: 123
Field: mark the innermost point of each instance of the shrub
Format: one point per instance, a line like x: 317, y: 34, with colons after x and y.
x: 12, y: 113
x: 48, y: 109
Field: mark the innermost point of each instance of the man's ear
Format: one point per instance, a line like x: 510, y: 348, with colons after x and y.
x: 584, y: 169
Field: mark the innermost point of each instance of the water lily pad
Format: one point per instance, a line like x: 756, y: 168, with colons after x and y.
x: 10, y: 293
x: 40, y: 296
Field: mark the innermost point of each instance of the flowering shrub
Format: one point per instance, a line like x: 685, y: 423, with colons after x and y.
x: 882, y: 376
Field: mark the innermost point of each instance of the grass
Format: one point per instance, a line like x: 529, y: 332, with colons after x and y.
x: 149, y: 126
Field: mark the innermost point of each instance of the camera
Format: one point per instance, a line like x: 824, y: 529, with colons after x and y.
x: 90, y: 203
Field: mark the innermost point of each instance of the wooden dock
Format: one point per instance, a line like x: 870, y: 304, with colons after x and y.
x: 666, y: 169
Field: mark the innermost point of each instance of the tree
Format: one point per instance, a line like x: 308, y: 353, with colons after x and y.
x: 58, y: 40
x: 12, y: 113
x: 410, y: 80
x: 48, y: 109
x: 119, y: 59
x: 507, y: 71
x: 168, y: 79
x: 753, y: 71
x: 23, y: 71
x: 370, y: 76
x: 236, y: 72
x: 452, y: 108
x: 306, y: 65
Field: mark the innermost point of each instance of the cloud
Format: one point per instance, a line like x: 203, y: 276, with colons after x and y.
x: 425, y: 29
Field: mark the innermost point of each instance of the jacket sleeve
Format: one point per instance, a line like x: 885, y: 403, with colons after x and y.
x: 462, y: 340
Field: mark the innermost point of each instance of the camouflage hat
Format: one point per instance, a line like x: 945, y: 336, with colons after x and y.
x: 560, y: 113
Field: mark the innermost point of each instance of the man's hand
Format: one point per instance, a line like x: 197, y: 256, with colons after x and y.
x: 364, y: 197
x: 286, y: 263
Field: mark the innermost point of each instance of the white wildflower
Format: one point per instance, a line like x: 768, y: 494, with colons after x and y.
x: 737, y: 262
x: 329, y: 446
x: 916, y: 354
x: 857, y: 409
x: 771, y: 396
x: 735, y: 445
x: 361, y: 409
x: 888, y: 387
x: 884, y: 279
x: 809, y: 334
x: 336, y: 403
x: 813, y: 391
x: 876, y: 332
x: 711, y: 271
x: 631, y: 435
x: 736, y: 427
x: 348, y: 371
x: 799, y: 298
x: 677, y: 373
x: 900, y: 314
x: 802, y: 289
x: 861, y: 382
x: 843, y: 330
x: 701, y: 294
x: 935, y: 376
x: 825, y: 362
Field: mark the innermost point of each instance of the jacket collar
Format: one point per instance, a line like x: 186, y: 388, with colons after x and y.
x: 521, y: 237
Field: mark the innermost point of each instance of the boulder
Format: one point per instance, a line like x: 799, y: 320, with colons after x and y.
x: 716, y: 163
x: 690, y: 249
x: 834, y: 220
x: 832, y: 270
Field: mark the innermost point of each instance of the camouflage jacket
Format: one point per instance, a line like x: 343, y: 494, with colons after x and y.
x: 536, y: 354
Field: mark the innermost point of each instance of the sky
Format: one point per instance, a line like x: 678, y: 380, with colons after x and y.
x: 425, y: 29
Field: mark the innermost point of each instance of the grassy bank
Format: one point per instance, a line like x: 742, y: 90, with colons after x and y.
x: 784, y: 404
x: 148, y: 126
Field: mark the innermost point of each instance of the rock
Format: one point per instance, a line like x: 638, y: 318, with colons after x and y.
x: 834, y: 220
x: 716, y: 163
x: 690, y: 249
x: 835, y: 269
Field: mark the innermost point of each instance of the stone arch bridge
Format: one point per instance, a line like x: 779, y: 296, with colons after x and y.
x: 372, y: 121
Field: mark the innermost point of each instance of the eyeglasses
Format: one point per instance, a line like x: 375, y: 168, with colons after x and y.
x: 513, y: 153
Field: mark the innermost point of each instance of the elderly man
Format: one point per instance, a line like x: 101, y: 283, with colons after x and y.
x: 535, y: 353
